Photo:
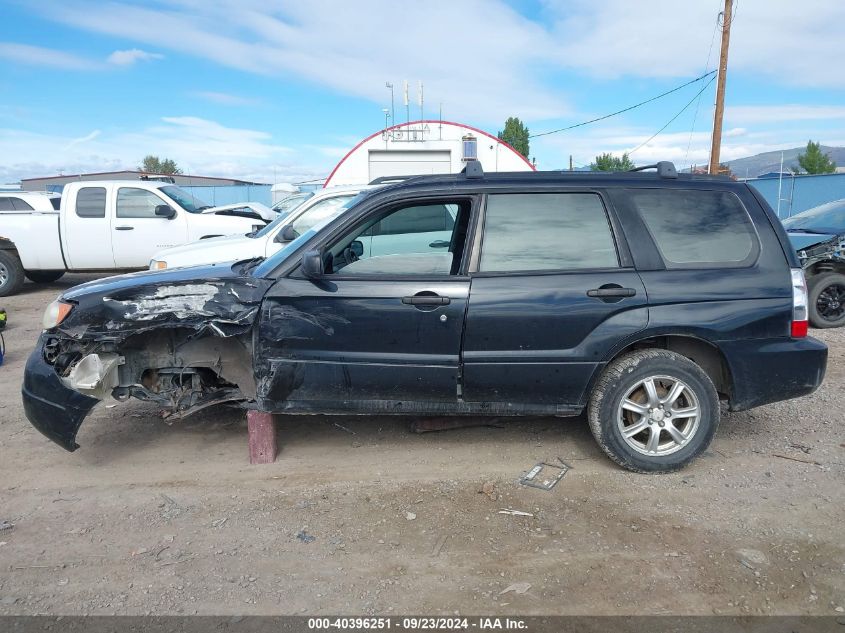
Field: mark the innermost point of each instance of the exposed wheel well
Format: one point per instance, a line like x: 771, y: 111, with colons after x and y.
x: 7, y: 245
x: 702, y: 353
x: 827, y: 266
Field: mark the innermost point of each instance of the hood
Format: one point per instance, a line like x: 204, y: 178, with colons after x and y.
x: 130, y: 281
x: 222, y: 298
x: 800, y: 241
x: 209, y: 244
x: 254, y: 210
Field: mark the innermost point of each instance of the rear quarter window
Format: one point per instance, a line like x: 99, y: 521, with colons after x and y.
x: 13, y: 204
x: 697, y: 228
x: 21, y: 205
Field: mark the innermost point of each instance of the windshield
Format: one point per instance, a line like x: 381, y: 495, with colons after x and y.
x: 190, y: 203
x: 328, y: 204
x: 827, y: 218
x: 286, y: 205
x: 272, y: 262
x: 295, y: 202
x: 322, y: 210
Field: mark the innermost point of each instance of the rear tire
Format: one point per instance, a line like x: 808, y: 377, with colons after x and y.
x: 44, y: 276
x: 827, y: 300
x: 11, y: 273
x: 653, y: 411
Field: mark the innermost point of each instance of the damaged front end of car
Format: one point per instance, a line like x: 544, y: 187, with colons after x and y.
x: 179, y: 339
x: 823, y: 256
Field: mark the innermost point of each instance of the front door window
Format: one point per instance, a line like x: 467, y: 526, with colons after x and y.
x: 419, y: 239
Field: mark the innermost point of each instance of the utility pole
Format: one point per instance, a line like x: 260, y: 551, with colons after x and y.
x: 570, y: 162
x: 716, y: 145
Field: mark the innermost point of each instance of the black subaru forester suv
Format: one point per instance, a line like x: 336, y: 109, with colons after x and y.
x: 643, y: 298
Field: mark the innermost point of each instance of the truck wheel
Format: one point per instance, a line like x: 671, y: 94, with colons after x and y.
x: 653, y: 411
x: 43, y: 276
x: 827, y: 300
x: 11, y: 273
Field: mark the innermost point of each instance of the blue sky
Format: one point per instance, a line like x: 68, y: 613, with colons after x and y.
x: 279, y: 90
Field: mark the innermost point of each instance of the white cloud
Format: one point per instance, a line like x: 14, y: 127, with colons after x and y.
x: 781, y: 113
x: 794, y: 43
x: 129, y: 57
x: 224, y: 98
x: 198, y: 145
x: 483, y: 71
x: 82, y: 139
x: 39, y: 56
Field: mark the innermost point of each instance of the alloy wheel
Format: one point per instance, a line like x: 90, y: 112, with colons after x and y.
x: 830, y: 303
x: 659, y: 415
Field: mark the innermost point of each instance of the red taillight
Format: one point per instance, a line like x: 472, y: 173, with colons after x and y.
x: 799, y: 329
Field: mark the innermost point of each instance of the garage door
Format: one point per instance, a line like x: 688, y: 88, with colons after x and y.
x: 409, y: 163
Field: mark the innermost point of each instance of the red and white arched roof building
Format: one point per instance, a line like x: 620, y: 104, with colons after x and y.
x: 424, y: 147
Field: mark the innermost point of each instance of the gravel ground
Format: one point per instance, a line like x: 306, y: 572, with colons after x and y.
x: 359, y: 516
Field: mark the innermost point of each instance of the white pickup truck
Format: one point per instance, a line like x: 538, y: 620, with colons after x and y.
x: 105, y: 226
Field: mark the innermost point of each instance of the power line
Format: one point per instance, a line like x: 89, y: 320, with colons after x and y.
x: 698, y: 103
x: 689, y: 103
x: 641, y: 103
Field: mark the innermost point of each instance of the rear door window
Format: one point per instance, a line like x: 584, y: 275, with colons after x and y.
x: 546, y: 231
x: 697, y: 228
x: 91, y: 202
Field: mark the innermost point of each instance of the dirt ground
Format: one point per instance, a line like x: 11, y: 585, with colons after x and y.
x: 360, y: 516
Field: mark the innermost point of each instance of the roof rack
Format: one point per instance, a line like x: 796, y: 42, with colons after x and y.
x: 665, y: 169
x: 383, y: 180
x: 473, y: 170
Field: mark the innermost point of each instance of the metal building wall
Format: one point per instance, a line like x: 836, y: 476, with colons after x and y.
x: 800, y: 193
x: 230, y: 194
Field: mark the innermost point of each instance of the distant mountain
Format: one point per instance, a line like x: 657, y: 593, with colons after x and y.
x: 766, y: 162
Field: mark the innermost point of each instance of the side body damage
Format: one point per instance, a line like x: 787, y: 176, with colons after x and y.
x: 182, y: 344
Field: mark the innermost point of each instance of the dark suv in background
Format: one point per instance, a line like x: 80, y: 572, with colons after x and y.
x: 642, y: 298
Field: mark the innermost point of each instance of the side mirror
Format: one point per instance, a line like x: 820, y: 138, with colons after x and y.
x: 287, y: 234
x: 357, y: 248
x: 165, y: 211
x: 312, y: 264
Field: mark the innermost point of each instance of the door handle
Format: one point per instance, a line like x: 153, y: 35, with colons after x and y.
x: 427, y: 300
x: 124, y: 228
x: 611, y: 292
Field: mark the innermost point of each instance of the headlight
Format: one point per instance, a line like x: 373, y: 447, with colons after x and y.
x: 157, y: 264
x: 55, y: 313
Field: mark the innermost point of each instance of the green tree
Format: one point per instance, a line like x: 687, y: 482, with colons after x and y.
x: 813, y: 161
x: 609, y: 162
x: 153, y: 165
x: 515, y: 134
